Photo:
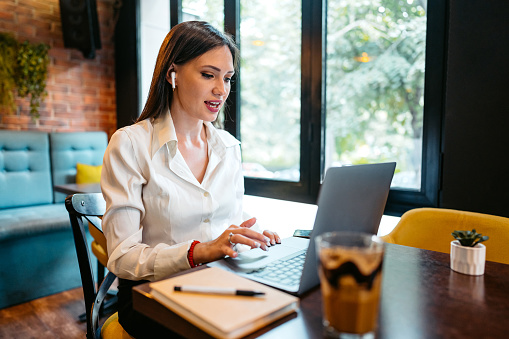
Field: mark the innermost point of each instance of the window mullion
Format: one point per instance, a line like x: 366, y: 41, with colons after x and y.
x: 175, y: 12
x: 232, y: 26
x: 313, y: 95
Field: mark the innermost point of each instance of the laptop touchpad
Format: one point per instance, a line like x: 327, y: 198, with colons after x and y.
x: 257, y: 258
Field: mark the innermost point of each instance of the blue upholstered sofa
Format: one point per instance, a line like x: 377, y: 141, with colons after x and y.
x: 37, y: 254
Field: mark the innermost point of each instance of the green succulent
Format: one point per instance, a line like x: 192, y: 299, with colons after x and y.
x: 469, y: 238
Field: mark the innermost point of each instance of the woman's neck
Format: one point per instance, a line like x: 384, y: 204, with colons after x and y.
x: 192, y: 143
x: 188, y: 129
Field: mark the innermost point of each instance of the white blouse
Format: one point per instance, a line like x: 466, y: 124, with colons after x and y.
x: 155, y: 207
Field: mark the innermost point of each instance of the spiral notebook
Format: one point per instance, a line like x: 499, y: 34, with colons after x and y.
x: 223, y: 316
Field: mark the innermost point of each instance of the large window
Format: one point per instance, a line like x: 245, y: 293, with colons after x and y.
x: 211, y: 11
x: 375, y: 85
x: 332, y: 83
x: 270, y: 88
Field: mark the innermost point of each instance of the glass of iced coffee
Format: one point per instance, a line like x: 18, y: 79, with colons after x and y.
x: 350, y: 270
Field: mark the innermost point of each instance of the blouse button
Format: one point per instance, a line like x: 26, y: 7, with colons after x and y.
x: 206, y: 194
x: 206, y: 220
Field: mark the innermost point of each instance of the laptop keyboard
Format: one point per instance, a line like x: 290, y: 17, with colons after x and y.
x: 283, y: 271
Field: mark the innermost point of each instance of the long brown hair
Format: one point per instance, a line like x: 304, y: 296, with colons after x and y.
x: 184, y: 42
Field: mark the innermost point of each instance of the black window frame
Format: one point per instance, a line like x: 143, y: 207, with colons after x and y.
x: 314, y: 16
x: 313, y: 110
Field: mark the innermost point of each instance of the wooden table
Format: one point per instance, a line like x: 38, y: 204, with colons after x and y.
x: 78, y: 188
x: 421, y: 298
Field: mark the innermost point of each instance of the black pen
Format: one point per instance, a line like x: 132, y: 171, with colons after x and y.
x: 217, y: 290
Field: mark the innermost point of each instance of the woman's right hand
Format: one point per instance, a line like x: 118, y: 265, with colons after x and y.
x: 220, y: 247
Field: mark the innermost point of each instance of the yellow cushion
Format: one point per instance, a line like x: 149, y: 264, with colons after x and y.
x: 88, y: 174
x: 112, y: 329
x: 431, y: 228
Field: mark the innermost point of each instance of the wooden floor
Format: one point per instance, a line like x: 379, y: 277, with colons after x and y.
x: 54, y: 316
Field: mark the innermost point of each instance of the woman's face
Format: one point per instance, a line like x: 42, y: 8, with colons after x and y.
x: 203, y: 84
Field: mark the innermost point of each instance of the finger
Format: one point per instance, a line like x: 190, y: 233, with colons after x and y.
x: 249, y: 233
x: 274, y: 238
x: 241, y: 239
x: 231, y: 242
x: 248, y: 223
x: 230, y: 252
x: 278, y: 238
x: 260, y: 241
x: 237, y: 238
x: 244, y: 240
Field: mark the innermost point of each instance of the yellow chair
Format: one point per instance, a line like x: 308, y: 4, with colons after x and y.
x: 89, y: 208
x: 431, y: 228
x: 99, y: 249
x: 89, y: 174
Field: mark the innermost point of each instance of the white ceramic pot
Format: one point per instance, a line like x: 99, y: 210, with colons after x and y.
x: 468, y: 260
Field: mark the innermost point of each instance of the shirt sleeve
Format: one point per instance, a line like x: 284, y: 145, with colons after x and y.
x: 122, y: 181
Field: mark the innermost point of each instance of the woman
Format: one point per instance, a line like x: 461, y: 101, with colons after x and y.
x: 173, y: 183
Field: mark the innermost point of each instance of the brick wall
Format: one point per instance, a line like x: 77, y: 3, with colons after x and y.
x: 81, y: 92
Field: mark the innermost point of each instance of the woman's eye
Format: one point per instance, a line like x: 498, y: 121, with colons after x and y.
x: 208, y: 76
x: 228, y: 79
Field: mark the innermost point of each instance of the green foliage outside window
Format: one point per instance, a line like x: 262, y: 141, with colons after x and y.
x: 375, y: 82
x: 271, y: 35
x: 23, y: 70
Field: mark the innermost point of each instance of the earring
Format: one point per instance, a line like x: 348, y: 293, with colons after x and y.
x: 173, y: 80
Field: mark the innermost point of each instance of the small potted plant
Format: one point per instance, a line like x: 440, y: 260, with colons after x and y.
x: 468, y: 255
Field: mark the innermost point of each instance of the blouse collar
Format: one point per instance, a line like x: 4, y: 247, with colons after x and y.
x: 164, y: 133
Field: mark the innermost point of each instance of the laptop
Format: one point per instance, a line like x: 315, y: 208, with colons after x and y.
x: 352, y: 198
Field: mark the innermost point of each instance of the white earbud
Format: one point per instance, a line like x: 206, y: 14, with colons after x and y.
x: 173, y: 80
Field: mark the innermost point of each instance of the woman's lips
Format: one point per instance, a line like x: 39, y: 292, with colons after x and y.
x: 213, y: 106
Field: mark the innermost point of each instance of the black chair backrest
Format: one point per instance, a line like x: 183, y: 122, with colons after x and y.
x: 84, y: 208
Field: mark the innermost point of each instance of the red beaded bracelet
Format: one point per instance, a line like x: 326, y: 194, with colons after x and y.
x: 190, y: 254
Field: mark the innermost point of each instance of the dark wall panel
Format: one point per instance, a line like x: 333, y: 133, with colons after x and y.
x: 127, y: 71
x: 476, y: 134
